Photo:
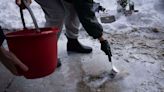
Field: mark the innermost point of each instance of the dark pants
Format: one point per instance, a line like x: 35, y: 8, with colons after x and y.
x: 87, y: 17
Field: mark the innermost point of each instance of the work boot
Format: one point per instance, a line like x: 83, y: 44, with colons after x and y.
x: 74, y: 45
x: 58, y: 63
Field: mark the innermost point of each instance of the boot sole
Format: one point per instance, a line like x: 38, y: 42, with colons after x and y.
x: 83, y: 52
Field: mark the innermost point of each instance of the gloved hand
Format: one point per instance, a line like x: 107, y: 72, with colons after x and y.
x: 101, y: 8
x: 97, y: 7
x: 106, y: 47
x: 123, y: 3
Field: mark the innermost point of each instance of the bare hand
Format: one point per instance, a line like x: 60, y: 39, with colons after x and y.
x: 21, y: 4
x: 10, y: 61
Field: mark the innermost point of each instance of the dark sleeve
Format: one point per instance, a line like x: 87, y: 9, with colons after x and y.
x: 2, y: 36
x: 87, y: 17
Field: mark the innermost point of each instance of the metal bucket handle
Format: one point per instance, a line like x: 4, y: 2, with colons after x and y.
x: 32, y: 16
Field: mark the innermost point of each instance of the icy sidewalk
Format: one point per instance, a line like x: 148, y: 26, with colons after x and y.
x: 137, y: 44
x: 139, y: 52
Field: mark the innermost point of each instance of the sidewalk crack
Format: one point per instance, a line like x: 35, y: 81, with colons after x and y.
x: 9, y: 84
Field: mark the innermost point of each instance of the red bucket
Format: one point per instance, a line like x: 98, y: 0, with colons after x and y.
x: 37, y: 50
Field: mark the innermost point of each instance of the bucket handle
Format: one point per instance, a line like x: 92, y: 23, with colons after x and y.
x: 32, y: 16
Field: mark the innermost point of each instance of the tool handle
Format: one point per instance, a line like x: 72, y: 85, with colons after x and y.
x: 22, y: 18
x: 32, y: 16
x: 109, y: 57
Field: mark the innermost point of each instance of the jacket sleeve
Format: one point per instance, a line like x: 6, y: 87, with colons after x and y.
x: 2, y: 36
x: 86, y: 14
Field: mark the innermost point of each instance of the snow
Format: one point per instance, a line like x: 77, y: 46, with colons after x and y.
x: 10, y: 16
x: 136, y: 41
x: 148, y: 15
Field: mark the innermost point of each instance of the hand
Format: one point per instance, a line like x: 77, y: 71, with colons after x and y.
x: 97, y: 7
x: 21, y: 4
x: 101, y: 8
x: 10, y: 61
x: 123, y: 3
x: 106, y: 47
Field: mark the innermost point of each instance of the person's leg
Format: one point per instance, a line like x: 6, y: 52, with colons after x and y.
x: 87, y: 17
x: 54, y: 15
x: 72, y: 24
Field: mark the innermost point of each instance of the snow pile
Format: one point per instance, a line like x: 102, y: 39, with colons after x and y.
x: 149, y: 15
